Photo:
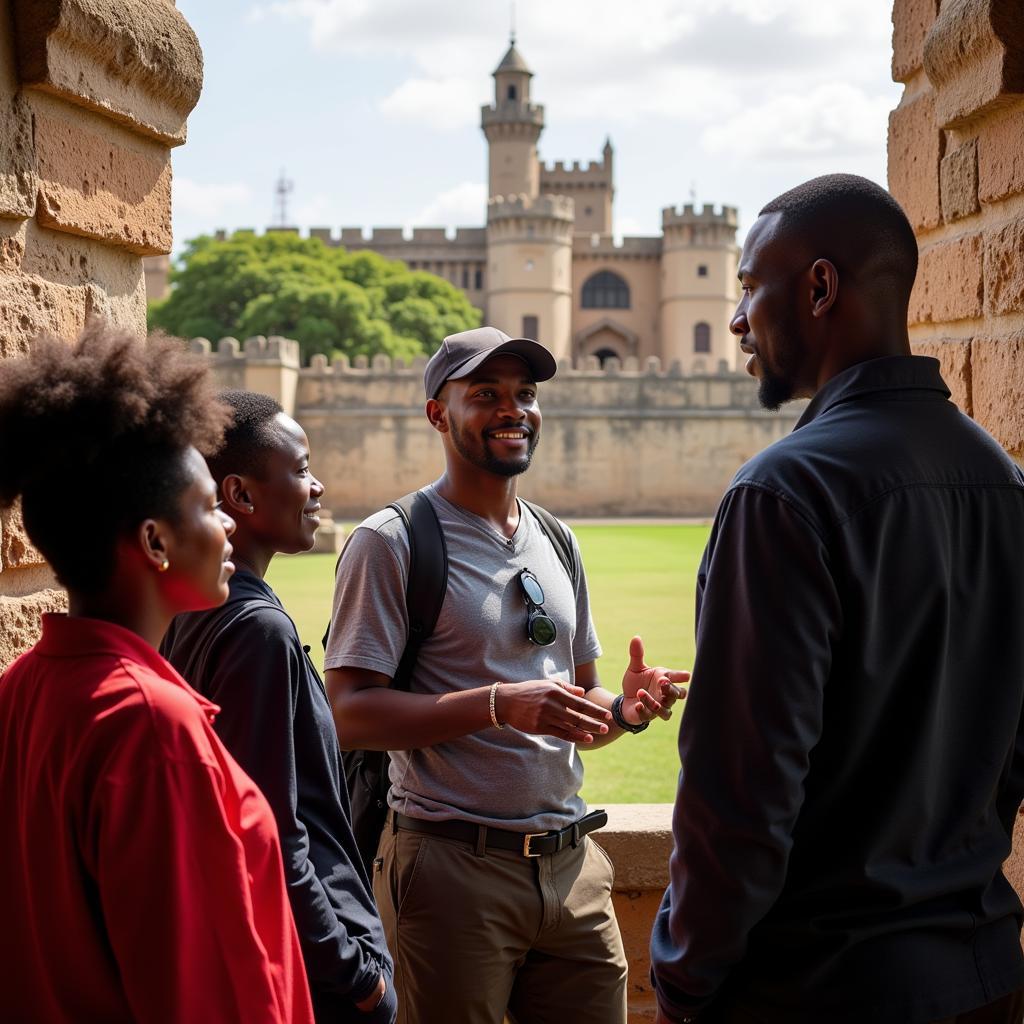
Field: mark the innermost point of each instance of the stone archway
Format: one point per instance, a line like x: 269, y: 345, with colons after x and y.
x: 605, y: 338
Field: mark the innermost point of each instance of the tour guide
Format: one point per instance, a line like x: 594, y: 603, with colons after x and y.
x: 492, y: 895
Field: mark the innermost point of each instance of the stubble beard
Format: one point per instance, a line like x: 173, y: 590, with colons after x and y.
x: 484, y: 459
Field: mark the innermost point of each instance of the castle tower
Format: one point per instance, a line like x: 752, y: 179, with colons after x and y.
x: 529, y: 253
x: 512, y: 125
x: 699, y: 290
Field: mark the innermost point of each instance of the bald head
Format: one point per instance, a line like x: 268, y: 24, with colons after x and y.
x: 856, y: 225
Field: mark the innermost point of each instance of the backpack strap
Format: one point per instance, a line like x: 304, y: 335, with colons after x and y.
x: 427, y: 581
x: 560, y: 540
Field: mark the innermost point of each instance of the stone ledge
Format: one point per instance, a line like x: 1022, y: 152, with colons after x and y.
x: 638, y: 838
x: 974, y: 56
x: 133, y: 61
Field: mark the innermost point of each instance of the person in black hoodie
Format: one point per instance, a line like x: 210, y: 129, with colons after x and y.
x: 275, y: 717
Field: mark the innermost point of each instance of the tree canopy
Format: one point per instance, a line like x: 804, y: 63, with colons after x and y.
x: 328, y: 299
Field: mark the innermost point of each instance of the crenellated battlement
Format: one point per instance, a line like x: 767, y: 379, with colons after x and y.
x: 606, y: 246
x: 565, y: 173
x: 512, y: 114
x: 549, y: 207
x: 382, y: 367
x: 394, y: 238
x: 672, y: 216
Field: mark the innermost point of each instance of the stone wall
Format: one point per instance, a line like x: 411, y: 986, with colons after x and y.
x: 956, y: 163
x: 619, y: 441
x: 93, y: 95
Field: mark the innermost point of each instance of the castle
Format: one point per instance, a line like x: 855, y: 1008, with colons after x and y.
x: 546, y: 264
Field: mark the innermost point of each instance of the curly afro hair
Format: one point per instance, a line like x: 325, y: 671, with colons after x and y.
x: 93, y: 438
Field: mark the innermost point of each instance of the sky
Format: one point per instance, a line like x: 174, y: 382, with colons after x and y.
x: 371, y: 108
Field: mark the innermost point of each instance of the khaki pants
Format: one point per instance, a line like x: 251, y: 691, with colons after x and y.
x: 474, y: 937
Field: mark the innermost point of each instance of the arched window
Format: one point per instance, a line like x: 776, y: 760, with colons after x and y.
x: 511, y: 92
x: 702, y: 338
x: 605, y: 290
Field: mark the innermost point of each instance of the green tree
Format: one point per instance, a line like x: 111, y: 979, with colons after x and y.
x: 329, y: 300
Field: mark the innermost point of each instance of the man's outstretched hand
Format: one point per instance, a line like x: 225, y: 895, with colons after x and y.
x: 650, y: 691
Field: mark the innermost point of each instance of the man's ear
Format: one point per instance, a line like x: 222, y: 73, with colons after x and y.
x: 235, y: 496
x: 824, y: 286
x: 437, y: 414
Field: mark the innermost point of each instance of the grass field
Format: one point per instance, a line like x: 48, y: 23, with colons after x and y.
x: 641, y: 580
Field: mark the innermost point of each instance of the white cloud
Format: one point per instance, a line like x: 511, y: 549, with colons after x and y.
x: 205, y: 201
x: 443, y: 104
x: 835, y: 118
x: 465, y: 205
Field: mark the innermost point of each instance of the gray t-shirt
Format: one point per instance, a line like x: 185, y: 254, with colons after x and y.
x: 502, y: 778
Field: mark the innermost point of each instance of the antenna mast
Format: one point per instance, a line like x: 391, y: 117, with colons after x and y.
x: 512, y: 25
x: 281, y: 191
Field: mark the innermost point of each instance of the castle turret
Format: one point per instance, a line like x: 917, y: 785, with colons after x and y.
x: 699, y: 290
x: 529, y: 283
x: 512, y: 125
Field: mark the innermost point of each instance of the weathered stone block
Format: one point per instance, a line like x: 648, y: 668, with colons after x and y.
x: 950, y: 281
x: 974, y: 57
x: 958, y: 182
x: 134, y: 61
x: 22, y: 617
x: 1004, y: 268
x: 1001, y: 157
x: 98, y: 180
x: 12, y: 245
x: 17, y: 158
x: 997, y: 368
x: 31, y: 305
x: 911, y: 20
x: 16, y: 550
x: 915, y: 150
x: 954, y: 356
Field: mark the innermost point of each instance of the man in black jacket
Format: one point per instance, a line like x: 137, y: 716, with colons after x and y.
x: 274, y: 716
x: 852, y: 753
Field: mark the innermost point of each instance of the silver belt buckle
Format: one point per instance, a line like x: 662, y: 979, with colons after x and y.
x: 526, y: 843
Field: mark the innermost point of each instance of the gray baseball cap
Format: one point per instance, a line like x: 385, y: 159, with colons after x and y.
x: 460, y: 354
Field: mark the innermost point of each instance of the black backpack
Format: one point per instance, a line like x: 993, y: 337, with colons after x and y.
x: 366, y: 771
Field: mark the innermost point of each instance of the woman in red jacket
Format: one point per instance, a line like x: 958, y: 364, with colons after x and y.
x: 140, y: 869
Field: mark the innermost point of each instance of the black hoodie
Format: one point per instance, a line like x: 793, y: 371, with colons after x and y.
x: 276, y: 720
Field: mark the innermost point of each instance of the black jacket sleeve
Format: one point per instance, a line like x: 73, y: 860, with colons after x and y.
x: 768, y: 615
x: 255, y: 679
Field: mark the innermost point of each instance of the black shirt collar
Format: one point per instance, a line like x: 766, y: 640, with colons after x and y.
x: 890, y: 373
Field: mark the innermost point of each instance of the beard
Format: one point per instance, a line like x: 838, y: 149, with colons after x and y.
x: 778, y: 383
x: 773, y: 391
x: 484, y: 458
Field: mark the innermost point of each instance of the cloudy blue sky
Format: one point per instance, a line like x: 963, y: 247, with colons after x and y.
x: 372, y: 106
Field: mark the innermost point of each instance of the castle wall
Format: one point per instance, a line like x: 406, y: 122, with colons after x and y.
x: 93, y: 95
x: 956, y: 163
x: 589, y: 185
x: 623, y: 441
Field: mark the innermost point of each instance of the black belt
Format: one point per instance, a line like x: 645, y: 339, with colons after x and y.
x: 529, y: 844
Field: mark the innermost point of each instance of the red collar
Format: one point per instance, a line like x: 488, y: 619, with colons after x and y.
x: 66, y: 636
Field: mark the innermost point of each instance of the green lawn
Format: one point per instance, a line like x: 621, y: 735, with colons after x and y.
x: 641, y: 580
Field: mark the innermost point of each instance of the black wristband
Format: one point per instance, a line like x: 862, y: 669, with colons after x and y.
x: 620, y: 721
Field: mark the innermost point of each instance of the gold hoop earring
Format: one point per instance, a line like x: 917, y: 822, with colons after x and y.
x: 163, y: 566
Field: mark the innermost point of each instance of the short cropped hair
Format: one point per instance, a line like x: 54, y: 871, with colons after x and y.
x: 93, y: 439
x: 855, y: 223
x: 248, y: 438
